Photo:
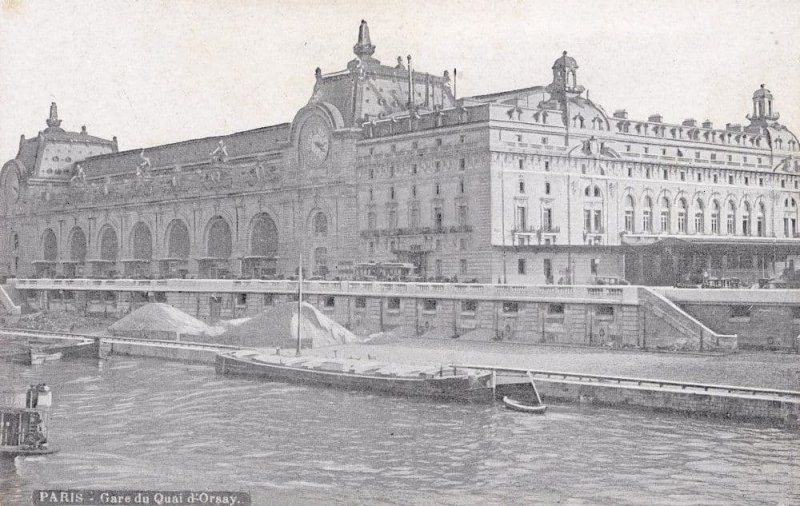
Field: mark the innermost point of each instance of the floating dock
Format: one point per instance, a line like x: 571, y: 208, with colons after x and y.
x: 776, y: 407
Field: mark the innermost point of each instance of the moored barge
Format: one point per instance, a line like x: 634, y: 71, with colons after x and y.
x: 392, y: 379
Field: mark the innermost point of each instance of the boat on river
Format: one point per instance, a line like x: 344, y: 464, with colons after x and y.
x: 23, y: 430
x: 356, y: 374
x: 395, y: 379
x: 513, y: 405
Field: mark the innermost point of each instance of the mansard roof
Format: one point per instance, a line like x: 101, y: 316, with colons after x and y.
x: 189, y: 152
x: 368, y: 90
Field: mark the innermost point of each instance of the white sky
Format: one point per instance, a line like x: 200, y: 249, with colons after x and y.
x: 158, y: 72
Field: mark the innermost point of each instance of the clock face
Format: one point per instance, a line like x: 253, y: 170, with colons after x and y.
x: 315, y: 142
x: 11, y: 185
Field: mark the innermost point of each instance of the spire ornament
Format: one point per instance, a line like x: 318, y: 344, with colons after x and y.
x: 364, y: 47
x: 53, y: 121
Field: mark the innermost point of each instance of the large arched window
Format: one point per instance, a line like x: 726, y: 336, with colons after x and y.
x: 647, y: 215
x: 761, y: 220
x: 319, y: 224
x: 264, y: 237
x: 628, y: 225
x: 730, y: 219
x: 178, y: 244
x: 142, y: 242
x: 666, y: 225
x: 699, y: 217
x: 714, y: 217
x: 77, y: 245
x: 218, y: 242
x: 681, y: 204
x: 109, y: 247
x: 49, y: 246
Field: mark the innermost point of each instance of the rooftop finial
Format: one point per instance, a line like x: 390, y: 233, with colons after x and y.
x: 363, y: 47
x: 53, y: 121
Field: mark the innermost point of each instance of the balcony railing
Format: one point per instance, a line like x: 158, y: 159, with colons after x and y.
x: 536, y: 231
x: 389, y: 232
x: 590, y: 294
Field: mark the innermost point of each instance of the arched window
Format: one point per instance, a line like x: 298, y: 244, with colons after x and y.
x: 681, y: 216
x: 699, y: 217
x: 49, y: 246
x: 715, y: 217
x: 593, y: 210
x: 142, y: 242
x: 413, y: 215
x: 108, y: 244
x: 320, y: 224
x: 761, y: 220
x: 77, y: 245
x: 628, y: 214
x: 264, y: 237
x: 666, y: 224
x: 178, y: 243
x: 647, y: 215
x: 219, y: 244
x: 746, y: 219
x: 730, y: 220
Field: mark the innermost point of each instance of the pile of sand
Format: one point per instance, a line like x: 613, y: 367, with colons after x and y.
x: 223, y: 326
x: 158, y: 317
x: 277, y: 326
x: 392, y: 335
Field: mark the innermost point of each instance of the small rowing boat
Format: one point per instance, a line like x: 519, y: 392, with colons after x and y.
x: 524, y: 408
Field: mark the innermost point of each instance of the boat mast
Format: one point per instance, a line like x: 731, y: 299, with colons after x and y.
x: 299, y: 299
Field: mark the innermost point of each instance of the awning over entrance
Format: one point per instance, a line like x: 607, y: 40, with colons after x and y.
x: 670, y: 261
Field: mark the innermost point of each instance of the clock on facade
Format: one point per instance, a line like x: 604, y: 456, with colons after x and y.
x: 10, y: 183
x: 314, y: 142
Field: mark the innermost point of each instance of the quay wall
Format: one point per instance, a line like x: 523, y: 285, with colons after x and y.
x: 627, y: 316
x: 767, y: 319
x: 153, y: 350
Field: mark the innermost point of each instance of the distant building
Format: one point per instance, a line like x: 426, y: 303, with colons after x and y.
x: 537, y: 185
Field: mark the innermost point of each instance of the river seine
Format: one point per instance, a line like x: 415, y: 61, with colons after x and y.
x: 127, y: 423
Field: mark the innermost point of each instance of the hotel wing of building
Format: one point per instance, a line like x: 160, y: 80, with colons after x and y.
x: 538, y: 185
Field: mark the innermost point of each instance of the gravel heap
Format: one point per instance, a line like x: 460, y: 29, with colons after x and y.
x: 159, y: 317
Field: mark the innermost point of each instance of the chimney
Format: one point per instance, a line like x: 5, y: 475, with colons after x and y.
x: 621, y: 114
x: 690, y: 122
x: 655, y: 118
x: 708, y: 124
x: 733, y: 127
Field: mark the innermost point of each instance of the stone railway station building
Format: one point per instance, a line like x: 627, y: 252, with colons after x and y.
x: 531, y: 186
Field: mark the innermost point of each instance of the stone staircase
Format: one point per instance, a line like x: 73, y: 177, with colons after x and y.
x: 665, y: 320
x: 8, y: 304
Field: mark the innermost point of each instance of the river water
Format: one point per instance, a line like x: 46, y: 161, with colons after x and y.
x: 131, y: 423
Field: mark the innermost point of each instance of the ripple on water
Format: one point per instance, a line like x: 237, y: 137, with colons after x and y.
x: 128, y: 423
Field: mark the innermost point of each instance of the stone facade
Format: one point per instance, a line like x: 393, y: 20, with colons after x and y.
x: 386, y: 164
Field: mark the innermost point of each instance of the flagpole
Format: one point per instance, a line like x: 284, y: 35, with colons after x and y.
x: 299, y: 299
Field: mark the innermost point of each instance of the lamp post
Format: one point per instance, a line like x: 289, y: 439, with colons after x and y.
x: 503, y: 222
